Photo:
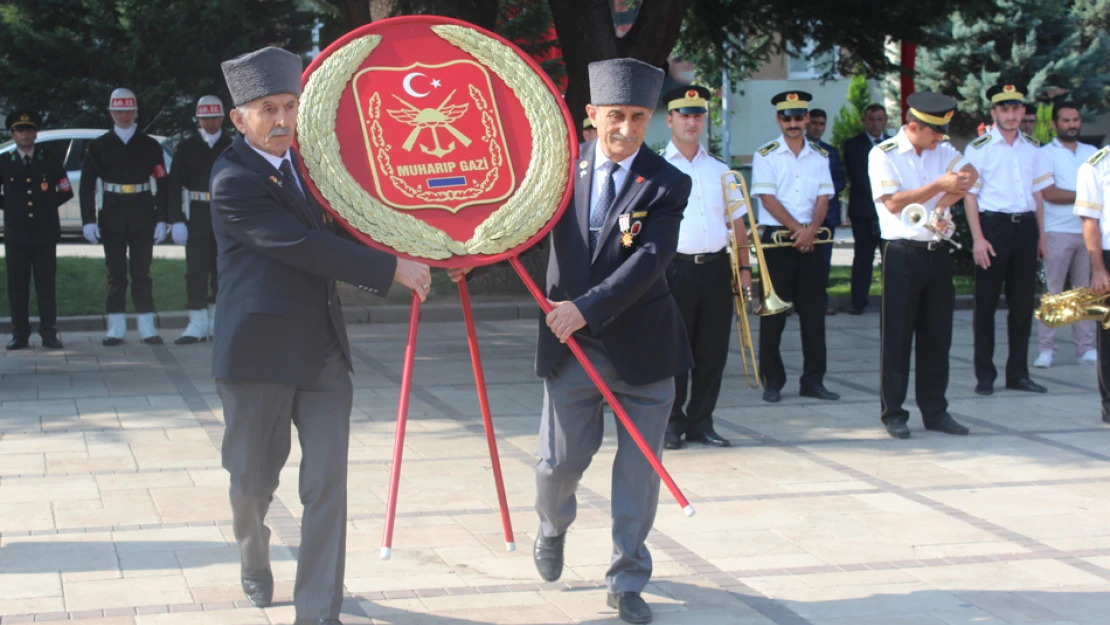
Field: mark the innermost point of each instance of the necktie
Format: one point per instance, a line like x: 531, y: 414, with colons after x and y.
x: 289, y: 176
x: 604, y: 201
x: 27, y: 160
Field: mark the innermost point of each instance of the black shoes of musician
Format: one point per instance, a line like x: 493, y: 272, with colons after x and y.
x: 855, y: 311
x: 945, y: 423
x: 548, y: 555
x: 672, y: 440
x: 152, y: 340
x: 18, y: 342
x: 188, y: 340
x: 52, y: 342
x: 819, y: 392
x: 111, y: 341
x: 897, y: 429
x: 1027, y: 385
x: 260, y: 592
x: 708, y: 437
x: 984, y: 388
x: 316, y: 621
x: 772, y: 395
x: 630, y: 606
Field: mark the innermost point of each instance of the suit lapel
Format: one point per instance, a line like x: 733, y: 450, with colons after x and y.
x: 626, y: 196
x: 255, y: 161
x: 583, y: 184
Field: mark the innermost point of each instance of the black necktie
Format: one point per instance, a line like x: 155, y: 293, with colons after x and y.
x: 27, y: 160
x: 290, y: 178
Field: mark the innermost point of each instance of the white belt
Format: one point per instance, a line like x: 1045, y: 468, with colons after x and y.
x: 126, y: 189
x: 200, y: 196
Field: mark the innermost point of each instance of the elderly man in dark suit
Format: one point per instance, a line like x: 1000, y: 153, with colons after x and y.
x: 861, y: 206
x: 606, y: 278
x: 280, y: 352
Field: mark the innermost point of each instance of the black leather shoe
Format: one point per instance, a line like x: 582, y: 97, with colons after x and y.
x: 18, y: 343
x: 260, y: 592
x: 945, y: 423
x: 985, y: 388
x: 819, y: 392
x: 1027, y: 385
x: 856, y: 311
x: 897, y: 429
x: 111, y: 341
x: 630, y: 606
x: 152, y: 340
x: 710, y: 438
x: 772, y: 395
x: 548, y: 555
x: 317, y: 621
x: 188, y: 340
x: 52, y: 343
x: 673, y: 439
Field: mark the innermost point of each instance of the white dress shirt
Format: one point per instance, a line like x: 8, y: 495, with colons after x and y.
x: 210, y: 139
x: 1005, y: 183
x: 1056, y: 165
x: 600, y: 160
x: 795, y: 181
x: 1092, y: 191
x: 901, y: 168
x: 275, y: 161
x: 124, y: 134
x: 704, y: 228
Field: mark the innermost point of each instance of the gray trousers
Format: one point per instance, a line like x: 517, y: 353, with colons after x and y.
x: 255, y: 448
x: 571, y: 430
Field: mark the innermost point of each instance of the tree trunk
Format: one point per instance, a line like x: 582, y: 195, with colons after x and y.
x: 356, y: 12
x: 478, y: 12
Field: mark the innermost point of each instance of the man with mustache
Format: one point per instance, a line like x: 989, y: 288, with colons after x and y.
x: 791, y: 178
x: 1056, y: 167
x: 280, y: 354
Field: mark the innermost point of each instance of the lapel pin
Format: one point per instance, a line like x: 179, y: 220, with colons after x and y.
x: 583, y: 164
x: 582, y: 174
x: 274, y: 180
x: 639, y: 179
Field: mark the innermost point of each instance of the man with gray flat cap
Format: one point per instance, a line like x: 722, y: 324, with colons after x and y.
x: 280, y: 353
x: 608, y: 255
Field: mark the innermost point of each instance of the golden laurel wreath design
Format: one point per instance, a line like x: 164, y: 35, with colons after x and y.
x: 489, y: 136
x: 521, y: 217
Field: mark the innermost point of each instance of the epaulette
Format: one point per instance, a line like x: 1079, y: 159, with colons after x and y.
x: 661, y: 150
x: 981, y: 141
x: 888, y: 145
x: 767, y: 149
x: 1098, y: 156
x: 820, y: 150
x: 1035, y: 143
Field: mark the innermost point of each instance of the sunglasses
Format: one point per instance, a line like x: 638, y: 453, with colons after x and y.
x: 792, y: 118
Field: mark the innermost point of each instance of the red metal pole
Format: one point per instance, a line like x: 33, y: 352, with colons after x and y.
x: 487, y: 419
x: 648, y: 452
x: 399, y: 435
x: 909, y: 62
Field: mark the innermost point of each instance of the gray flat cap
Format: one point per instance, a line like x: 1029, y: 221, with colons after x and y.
x: 261, y: 73
x: 625, y: 81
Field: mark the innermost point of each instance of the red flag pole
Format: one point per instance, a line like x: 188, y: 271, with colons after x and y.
x: 487, y: 419
x: 399, y: 435
x: 909, y: 61
x: 648, y: 452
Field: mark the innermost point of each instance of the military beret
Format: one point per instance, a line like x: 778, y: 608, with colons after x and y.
x: 689, y: 99
x: 264, y: 72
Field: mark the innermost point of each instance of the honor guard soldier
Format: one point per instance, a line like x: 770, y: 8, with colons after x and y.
x: 589, y: 133
x: 34, y: 185
x: 917, y: 167
x: 131, y: 219
x: 1002, y: 215
x: 1092, y: 194
x: 188, y: 204
x: 790, y: 176
x: 700, y: 276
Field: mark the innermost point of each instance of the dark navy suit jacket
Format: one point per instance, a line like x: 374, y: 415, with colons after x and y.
x: 856, y: 151
x: 277, y: 266
x: 621, y: 291
x: 833, y: 217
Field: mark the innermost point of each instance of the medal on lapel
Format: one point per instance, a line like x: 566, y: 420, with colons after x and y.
x: 44, y: 186
x: 629, y: 229
x: 274, y: 179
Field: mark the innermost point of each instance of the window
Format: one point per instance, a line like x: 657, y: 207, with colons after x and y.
x: 802, y: 65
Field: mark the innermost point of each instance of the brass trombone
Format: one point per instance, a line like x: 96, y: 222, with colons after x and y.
x: 781, y: 238
x: 772, y: 303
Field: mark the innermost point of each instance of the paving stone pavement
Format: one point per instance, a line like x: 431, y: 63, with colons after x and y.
x: 114, y: 511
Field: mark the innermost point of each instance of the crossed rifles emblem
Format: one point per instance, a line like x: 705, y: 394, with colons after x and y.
x: 443, y: 116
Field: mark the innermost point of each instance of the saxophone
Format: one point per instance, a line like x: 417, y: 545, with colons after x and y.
x: 1073, y: 306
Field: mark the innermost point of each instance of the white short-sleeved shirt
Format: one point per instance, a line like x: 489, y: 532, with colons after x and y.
x: 704, y: 228
x: 1006, y: 176
x: 1056, y: 165
x: 894, y: 165
x: 1092, y: 191
x: 796, y: 181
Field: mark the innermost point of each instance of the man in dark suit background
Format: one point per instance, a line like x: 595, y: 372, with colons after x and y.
x: 861, y: 206
x: 280, y: 352
x: 815, y: 129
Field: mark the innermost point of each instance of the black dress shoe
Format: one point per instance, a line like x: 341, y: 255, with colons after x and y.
x: 111, y: 341
x: 819, y: 392
x: 260, y: 592
x: 772, y: 395
x: 1027, y: 385
x: 710, y: 438
x: 985, y: 388
x: 18, y: 343
x: 152, y: 340
x: 948, y: 425
x: 317, y: 621
x: 630, y: 606
x: 548, y: 555
x: 672, y: 440
x: 188, y: 340
x: 856, y: 311
x: 52, y: 343
x: 897, y: 429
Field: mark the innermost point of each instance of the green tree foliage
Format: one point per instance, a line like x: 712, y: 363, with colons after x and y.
x: 1044, y: 130
x: 849, y: 122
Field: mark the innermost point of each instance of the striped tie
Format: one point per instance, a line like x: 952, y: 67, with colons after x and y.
x: 604, y: 201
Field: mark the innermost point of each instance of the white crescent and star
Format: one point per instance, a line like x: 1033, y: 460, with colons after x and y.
x: 407, y: 85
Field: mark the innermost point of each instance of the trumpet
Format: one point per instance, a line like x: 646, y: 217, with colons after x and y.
x: 772, y: 303
x: 781, y: 238
x: 937, y: 222
x: 1080, y: 304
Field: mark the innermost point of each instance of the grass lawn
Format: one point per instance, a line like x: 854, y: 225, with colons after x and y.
x: 81, y: 287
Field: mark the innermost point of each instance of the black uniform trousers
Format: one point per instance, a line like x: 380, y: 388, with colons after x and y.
x: 865, y: 234
x: 703, y: 293
x: 918, y: 301
x: 1014, y: 239
x: 137, y: 246
x: 23, y: 261
x: 200, y: 265
x: 798, y: 278
x: 1103, y: 344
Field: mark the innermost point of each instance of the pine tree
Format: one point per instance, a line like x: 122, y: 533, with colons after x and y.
x: 849, y: 122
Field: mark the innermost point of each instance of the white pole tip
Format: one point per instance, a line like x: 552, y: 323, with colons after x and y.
x: 510, y: 546
x: 689, y: 510
x: 386, y: 553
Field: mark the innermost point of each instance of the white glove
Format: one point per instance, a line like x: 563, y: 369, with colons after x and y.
x: 180, y: 233
x: 91, y: 232
x: 159, y: 232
